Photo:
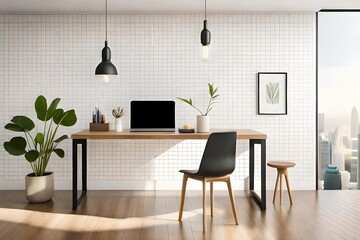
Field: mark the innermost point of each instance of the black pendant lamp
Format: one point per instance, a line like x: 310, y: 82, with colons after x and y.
x: 205, y: 38
x: 106, y: 67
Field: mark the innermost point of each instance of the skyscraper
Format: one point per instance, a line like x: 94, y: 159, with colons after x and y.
x: 321, y: 122
x: 325, y: 156
x: 354, y: 130
x: 354, y: 126
x: 337, y: 148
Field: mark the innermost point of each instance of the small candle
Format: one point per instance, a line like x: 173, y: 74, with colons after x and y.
x: 186, y: 126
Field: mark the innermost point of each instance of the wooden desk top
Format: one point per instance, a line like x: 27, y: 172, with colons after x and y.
x: 126, y: 134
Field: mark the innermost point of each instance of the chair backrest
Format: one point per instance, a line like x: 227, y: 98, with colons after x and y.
x: 219, y: 155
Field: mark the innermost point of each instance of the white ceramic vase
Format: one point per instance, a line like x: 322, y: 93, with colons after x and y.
x: 118, y: 125
x: 202, y: 123
x: 39, y: 189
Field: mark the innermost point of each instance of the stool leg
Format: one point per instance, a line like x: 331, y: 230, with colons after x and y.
x: 276, y: 186
x: 281, y: 192
x: 288, y: 187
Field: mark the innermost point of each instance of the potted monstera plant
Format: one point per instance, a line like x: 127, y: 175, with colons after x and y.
x: 37, y: 145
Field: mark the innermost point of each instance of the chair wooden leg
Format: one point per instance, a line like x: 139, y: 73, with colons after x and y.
x: 204, y: 204
x: 212, y: 198
x: 288, y: 187
x: 232, y: 200
x: 276, y: 186
x: 281, y: 192
x: 183, y: 190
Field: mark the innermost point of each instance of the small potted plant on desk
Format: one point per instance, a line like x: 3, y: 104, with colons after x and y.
x: 203, y: 120
x: 38, y: 147
x: 118, y: 113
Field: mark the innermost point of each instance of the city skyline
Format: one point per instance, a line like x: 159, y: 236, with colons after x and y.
x: 339, y: 147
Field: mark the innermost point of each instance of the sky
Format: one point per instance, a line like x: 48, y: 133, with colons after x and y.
x: 338, y: 66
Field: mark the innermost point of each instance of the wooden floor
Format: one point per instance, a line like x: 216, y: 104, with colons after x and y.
x: 153, y: 215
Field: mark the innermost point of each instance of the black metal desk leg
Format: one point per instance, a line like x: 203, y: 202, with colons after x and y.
x: 263, y: 174
x: 259, y: 200
x: 84, y: 165
x: 83, y: 144
x: 251, y: 164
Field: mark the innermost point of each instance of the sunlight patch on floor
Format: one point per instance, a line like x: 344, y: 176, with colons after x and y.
x: 72, y: 222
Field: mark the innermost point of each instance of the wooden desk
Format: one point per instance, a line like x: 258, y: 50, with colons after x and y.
x: 254, y: 137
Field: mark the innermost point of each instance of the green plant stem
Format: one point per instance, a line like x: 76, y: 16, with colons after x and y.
x: 33, y: 142
x: 49, y: 139
x: 36, y: 171
x: 198, y: 110
x: 27, y: 140
x: 51, y: 148
x: 207, y: 110
x: 45, y: 122
x: 32, y: 166
x: 45, y: 154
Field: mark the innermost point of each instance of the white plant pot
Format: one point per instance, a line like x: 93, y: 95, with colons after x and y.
x: 202, y: 123
x: 118, y: 125
x: 39, y: 189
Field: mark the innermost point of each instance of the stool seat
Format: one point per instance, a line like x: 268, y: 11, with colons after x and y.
x: 282, y: 171
x: 281, y: 165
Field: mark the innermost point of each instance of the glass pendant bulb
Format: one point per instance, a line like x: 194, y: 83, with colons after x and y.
x: 106, y: 79
x: 106, y: 67
x: 205, y: 52
x: 205, y: 39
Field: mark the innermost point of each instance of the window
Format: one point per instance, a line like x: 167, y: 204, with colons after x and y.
x: 338, y: 99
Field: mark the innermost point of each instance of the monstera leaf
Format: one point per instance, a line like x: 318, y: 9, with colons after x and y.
x: 20, y: 124
x: 39, y: 138
x: 69, y: 118
x: 59, y: 152
x: 66, y: 119
x: 60, y: 139
x: 31, y: 156
x: 16, y: 146
x: 42, y: 111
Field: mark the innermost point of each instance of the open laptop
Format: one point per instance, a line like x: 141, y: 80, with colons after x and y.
x: 152, y: 116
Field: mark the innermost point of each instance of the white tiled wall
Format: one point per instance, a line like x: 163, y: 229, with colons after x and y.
x: 157, y: 57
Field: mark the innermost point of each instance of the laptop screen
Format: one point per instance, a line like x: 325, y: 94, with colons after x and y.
x: 152, y: 115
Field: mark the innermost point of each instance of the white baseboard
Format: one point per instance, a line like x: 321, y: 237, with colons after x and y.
x: 154, y: 185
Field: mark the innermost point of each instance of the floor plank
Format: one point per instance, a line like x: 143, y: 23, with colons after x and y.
x: 153, y: 215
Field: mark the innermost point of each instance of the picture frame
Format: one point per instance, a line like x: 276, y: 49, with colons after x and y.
x: 272, y: 93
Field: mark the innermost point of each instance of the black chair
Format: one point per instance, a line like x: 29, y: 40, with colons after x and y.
x: 217, y: 163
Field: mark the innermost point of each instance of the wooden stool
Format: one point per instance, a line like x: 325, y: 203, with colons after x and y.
x: 282, y: 170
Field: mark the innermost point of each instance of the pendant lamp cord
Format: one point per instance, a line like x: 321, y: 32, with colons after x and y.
x: 106, y: 21
x: 205, y: 9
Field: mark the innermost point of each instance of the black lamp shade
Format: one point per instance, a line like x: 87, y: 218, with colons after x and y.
x: 205, y: 35
x: 106, y: 67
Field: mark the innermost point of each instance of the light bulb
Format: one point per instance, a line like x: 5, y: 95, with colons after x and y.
x: 105, y: 79
x: 205, y: 52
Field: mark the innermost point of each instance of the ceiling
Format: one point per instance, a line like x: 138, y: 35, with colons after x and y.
x: 172, y: 6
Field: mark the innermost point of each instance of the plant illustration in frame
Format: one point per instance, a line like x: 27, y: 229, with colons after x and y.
x: 272, y: 93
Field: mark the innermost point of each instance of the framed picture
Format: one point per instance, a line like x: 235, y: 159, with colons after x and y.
x: 272, y: 93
